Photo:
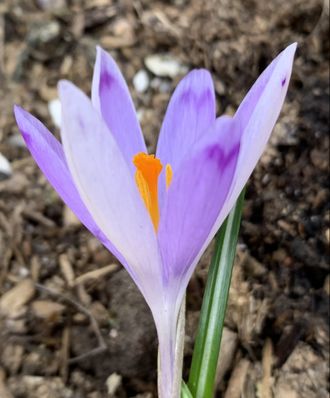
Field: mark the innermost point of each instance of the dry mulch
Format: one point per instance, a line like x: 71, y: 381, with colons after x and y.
x: 72, y: 323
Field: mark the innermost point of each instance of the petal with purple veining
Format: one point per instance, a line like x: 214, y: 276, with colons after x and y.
x: 256, y: 117
x: 110, y: 96
x: 189, y: 115
x: 104, y: 182
x: 195, y: 198
x: 49, y: 156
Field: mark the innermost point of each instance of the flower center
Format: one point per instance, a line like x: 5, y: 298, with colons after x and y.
x: 148, y: 169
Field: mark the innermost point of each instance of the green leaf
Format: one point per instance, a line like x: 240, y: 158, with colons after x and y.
x: 185, y: 393
x: 208, y: 340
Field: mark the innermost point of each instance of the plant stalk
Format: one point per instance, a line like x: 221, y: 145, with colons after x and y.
x: 174, y: 387
x: 208, y: 338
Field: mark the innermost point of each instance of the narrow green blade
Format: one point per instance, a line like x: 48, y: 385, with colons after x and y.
x: 208, y: 340
x: 185, y: 393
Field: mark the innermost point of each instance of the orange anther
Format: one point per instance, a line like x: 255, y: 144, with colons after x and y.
x: 146, y: 177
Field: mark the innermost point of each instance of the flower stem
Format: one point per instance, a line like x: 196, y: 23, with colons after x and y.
x: 179, y: 348
x: 208, y: 339
x: 170, y: 357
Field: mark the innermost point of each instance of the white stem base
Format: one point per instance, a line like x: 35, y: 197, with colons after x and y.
x: 175, y: 389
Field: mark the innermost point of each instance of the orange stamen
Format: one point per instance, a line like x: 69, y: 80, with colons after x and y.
x: 168, y: 175
x: 146, y: 178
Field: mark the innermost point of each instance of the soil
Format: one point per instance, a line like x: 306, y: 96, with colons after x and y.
x: 72, y: 323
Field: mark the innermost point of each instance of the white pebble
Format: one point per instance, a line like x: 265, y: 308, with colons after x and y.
x: 51, y: 4
x: 16, y: 141
x: 55, y: 110
x: 5, y: 167
x: 140, y: 114
x: 164, y: 65
x: 141, y: 81
x: 113, y: 383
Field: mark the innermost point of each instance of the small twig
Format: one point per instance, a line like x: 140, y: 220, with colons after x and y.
x: 65, y: 354
x: 29, y: 341
x: 91, y: 353
x: 4, y: 261
x: 101, y: 343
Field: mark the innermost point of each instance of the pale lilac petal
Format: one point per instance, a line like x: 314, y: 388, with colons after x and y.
x: 256, y: 118
x: 199, y: 192
x: 195, y: 198
x: 110, y: 96
x: 107, y: 188
x: 49, y: 156
x: 251, y: 99
x: 190, y: 113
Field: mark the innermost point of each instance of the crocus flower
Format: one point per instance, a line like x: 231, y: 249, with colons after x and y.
x: 156, y: 213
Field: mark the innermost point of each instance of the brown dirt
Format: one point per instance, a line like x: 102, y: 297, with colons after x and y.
x: 53, y: 311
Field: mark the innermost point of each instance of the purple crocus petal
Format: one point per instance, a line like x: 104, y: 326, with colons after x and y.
x: 195, y: 198
x: 49, y: 156
x: 256, y: 117
x: 190, y: 113
x: 104, y: 182
x: 110, y: 96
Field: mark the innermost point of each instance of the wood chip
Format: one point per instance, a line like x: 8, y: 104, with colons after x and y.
x: 69, y: 218
x: 285, y: 226
x: 46, y: 309
x: 15, y: 185
x: 35, y: 268
x: 123, y: 35
x: 66, y: 269
x: 2, y: 37
x: 237, y: 379
x: 12, y: 357
x: 13, y: 300
x: 96, y: 274
x: 83, y: 296
x: 4, y: 392
x: 65, y: 349
x: 229, y: 343
x: 326, y: 286
x: 265, y: 387
x: 113, y: 383
x: 39, y: 218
